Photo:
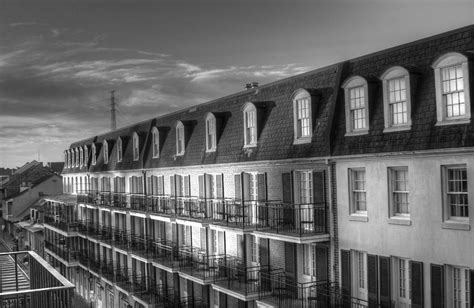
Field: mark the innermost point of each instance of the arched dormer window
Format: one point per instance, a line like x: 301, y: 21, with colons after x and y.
x: 119, y: 149
x: 93, y: 154
x: 66, y: 159
x: 180, y: 138
x: 356, y: 94
x: 86, y: 155
x: 136, y: 147
x: 106, y: 152
x: 81, y: 157
x: 302, y: 116
x: 70, y: 157
x: 156, y: 142
x: 396, y: 99
x: 250, y: 125
x: 211, y: 133
x: 453, y: 103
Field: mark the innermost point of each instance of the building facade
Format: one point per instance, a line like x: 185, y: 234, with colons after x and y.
x: 343, y: 186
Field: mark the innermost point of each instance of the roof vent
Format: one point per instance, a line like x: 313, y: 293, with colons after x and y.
x: 248, y: 86
x: 254, y: 84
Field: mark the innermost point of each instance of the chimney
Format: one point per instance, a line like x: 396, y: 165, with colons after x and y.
x: 248, y: 86
x: 254, y: 84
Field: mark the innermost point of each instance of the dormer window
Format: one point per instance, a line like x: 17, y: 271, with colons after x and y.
x: 303, y: 126
x: 119, y: 149
x: 156, y: 142
x: 357, y: 106
x: 453, y: 105
x: 94, y: 157
x: 86, y: 155
x: 81, y: 157
x: 106, y: 152
x: 66, y: 159
x: 396, y: 99
x: 136, y: 147
x: 76, y: 152
x: 211, y: 133
x: 250, y: 125
x: 179, y: 138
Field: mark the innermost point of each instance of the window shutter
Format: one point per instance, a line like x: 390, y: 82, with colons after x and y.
x: 319, y: 192
x: 221, y: 242
x: 222, y: 300
x: 471, y: 280
x: 201, y: 186
x: 262, y: 186
x: 437, y: 286
x: 187, y: 185
x: 220, y: 186
x: 322, y: 254
x: 246, y: 186
x: 172, y: 186
x: 384, y: 274
x: 238, y: 187
x: 286, y: 179
x: 208, y: 185
x: 372, y: 277
x: 240, y: 246
x: 346, y: 276
x: 161, y: 185
x: 416, y: 284
x: 264, y: 252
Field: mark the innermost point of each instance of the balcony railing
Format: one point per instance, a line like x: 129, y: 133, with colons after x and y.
x: 138, y: 202
x: 119, y: 200
x: 194, y: 208
x: 195, y: 262
x: 293, y: 219
x: 141, y: 245
x: 236, y: 213
x: 62, y: 250
x: 40, y: 285
x: 67, y: 226
x: 161, y: 204
x: 166, y: 253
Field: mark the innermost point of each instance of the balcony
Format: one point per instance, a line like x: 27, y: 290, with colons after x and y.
x: 122, y: 279
x: 89, y: 228
x: 119, y: 200
x: 166, y: 253
x: 293, y: 220
x: 161, y: 204
x: 36, y: 285
x: 120, y: 239
x: 194, y: 208
x: 235, y: 213
x: 141, y: 245
x: 138, y: 203
x: 61, y: 224
x: 62, y: 250
x: 87, y: 197
x: 197, y: 263
x: 247, y: 283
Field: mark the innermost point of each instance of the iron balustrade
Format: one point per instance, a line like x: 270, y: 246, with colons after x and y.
x: 119, y: 200
x: 120, y: 238
x: 122, y: 278
x: 201, y: 265
x: 236, y: 213
x: 293, y: 219
x: 45, y: 287
x: 166, y: 253
x: 161, y: 204
x: 62, y: 224
x: 138, y: 202
x: 87, y: 197
x: 62, y: 250
x: 141, y: 245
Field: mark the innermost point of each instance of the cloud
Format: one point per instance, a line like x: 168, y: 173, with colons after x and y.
x: 24, y: 24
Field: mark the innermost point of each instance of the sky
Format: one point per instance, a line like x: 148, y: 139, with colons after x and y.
x: 59, y: 59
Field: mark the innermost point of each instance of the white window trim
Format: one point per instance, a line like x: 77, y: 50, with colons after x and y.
x: 86, y: 156
x: 457, y: 223
x: 248, y: 108
x: 397, y: 218
x: 155, y: 136
x: 449, y: 281
x: 354, y: 82
x: 136, y: 146
x: 94, y: 153
x: 395, y: 281
x: 356, y: 215
x: 299, y: 95
x: 447, y: 60
x: 395, y: 72
x: 81, y: 157
x: 76, y: 151
x: 119, y: 149
x: 105, y: 152
x: 211, y: 117
x: 180, y: 127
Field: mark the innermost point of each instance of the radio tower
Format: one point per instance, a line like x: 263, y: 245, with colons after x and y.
x: 112, y: 110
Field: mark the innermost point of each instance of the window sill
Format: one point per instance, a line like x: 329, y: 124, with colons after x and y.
x: 302, y: 140
x: 252, y: 145
x: 456, y: 225
x: 358, y: 217
x: 453, y: 122
x: 357, y: 133
x: 180, y: 154
x: 402, y: 221
x: 396, y: 129
x: 210, y: 150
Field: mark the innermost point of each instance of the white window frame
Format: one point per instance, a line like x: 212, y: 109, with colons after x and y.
x: 396, y: 73
x: 462, y: 297
x: 450, y: 220
x: 180, y: 138
x: 136, y: 146
x: 86, y: 156
x: 76, y: 157
x: 392, y: 173
x: 155, y: 142
x: 348, y: 85
x: 401, y: 281
x: 359, y: 274
x: 250, y: 113
x: 254, y: 248
x: 94, y: 157
x: 309, y: 260
x: 211, y: 133
x: 300, y: 138
x: 119, y: 149
x: 448, y: 60
x: 352, y: 191
x: 66, y: 159
x: 81, y: 157
x: 106, y: 152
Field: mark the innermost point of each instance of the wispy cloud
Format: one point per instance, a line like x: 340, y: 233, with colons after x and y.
x: 24, y: 24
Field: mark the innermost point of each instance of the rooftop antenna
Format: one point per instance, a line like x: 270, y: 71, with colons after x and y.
x: 112, y: 110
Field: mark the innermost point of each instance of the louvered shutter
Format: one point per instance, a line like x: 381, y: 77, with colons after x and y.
x: 187, y: 185
x: 416, y: 284
x: 208, y: 185
x: 246, y: 186
x: 220, y: 186
x: 384, y: 274
x: 319, y: 185
x: 322, y: 254
x: 263, y: 252
x: 238, y: 187
x: 172, y: 186
x: 201, y: 186
x: 262, y: 186
x: 437, y: 286
x: 204, y: 238
x: 471, y: 279
x: 372, y: 277
x: 346, y: 277
x: 161, y: 185
x: 288, y: 214
x: 222, y: 300
x: 287, y: 187
x: 221, y: 242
